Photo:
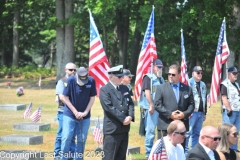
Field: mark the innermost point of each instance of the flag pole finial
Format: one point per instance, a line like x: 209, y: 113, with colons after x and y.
x: 153, y: 7
x: 181, y: 30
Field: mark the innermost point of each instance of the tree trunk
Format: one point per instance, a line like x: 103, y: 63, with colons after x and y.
x: 60, y: 39
x: 16, y: 36
x: 69, y: 55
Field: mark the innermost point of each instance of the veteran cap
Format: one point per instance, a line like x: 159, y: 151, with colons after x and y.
x: 82, y: 74
x: 197, y: 68
x: 117, y: 70
x: 233, y: 69
x: 157, y: 62
x: 126, y: 72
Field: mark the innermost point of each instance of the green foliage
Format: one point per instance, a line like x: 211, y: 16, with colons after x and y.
x: 27, y: 72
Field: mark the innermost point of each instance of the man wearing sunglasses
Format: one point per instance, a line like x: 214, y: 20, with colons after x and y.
x: 149, y: 116
x: 79, y: 96
x: 173, y: 101
x: 118, y: 110
x: 198, y: 116
x: 231, y: 100
x: 176, y: 133
x: 70, y: 69
x: 127, y: 80
x: 205, y: 149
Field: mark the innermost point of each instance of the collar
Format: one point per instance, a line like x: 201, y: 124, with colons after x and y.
x: 178, y: 84
x: 207, y: 150
x: 113, y: 85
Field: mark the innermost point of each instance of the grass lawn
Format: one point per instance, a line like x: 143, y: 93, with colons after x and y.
x: 45, y: 97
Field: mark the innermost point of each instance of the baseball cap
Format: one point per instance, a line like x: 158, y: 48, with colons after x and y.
x: 157, y: 62
x: 197, y: 68
x: 82, y: 76
x: 126, y: 72
x: 117, y: 70
x: 233, y: 69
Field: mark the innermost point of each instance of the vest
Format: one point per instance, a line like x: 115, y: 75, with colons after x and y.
x: 196, y: 95
x: 154, y: 83
x: 233, y: 95
x: 60, y: 103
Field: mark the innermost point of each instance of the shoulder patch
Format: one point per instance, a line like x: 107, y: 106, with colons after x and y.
x: 65, y: 84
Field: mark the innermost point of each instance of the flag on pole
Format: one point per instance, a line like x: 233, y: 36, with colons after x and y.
x: 148, y: 53
x: 36, y: 116
x: 27, y: 112
x: 220, y: 58
x: 159, y: 151
x: 184, y: 73
x: 97, y: 133
x: 98, y: 62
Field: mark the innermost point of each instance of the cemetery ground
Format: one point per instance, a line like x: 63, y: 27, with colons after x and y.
x: 46, y: 97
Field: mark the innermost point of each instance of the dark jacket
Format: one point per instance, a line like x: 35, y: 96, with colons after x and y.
x: 117, y: 105
x: 198, y: 153
x: 165, y: 103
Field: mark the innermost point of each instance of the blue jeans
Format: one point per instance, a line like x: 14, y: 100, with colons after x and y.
x: 72, y: 128
x: 195, y: 126
x: 151, y: 121
x: 58, y: 141
x: 234, y: 120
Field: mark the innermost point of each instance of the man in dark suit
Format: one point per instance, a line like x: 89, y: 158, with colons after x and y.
x: 173, y: 101
x: 118, y: 113
x: 205, y: 148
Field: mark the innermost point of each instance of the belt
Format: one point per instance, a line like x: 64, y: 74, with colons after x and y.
x: 223, y: 110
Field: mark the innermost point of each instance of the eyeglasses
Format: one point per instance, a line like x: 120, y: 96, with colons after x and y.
x: 235, y: 73
x: 200, y: 73
x: 181, y: 133
x: 235, y: 134
x: 119, y: 76
x: 170, y: 74
x: 130, y: 77
x: 72, y: 70
x: 213, y: 138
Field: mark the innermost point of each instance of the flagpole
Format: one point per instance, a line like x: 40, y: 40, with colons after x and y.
x: 225, y: 39
x: 151, y: 62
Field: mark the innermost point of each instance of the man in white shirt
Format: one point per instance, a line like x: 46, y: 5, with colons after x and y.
x: 205, y: 149
x: 172, y: 148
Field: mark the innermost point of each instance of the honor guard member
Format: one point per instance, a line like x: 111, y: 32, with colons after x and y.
x: 149, y: 85
x: 231, y: 100
x: 198, y: 116
x: 118, y: 113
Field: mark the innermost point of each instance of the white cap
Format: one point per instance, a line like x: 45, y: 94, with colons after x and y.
x: 117, y: 70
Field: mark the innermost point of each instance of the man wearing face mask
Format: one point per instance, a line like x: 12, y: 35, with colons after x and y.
x: 231, y: 100
x: 149, y: 85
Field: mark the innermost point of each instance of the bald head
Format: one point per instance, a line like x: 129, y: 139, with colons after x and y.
x: 70, y: 69
x: 209, y: 136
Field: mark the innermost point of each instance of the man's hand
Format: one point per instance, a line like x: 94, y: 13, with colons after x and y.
x: 79, y: 115
x: 151, y: 109
x: 174, y: 115
x: 180, y: 114
x: 127, y: 120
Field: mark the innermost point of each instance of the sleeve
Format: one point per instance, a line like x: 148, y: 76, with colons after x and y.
x: 59, y: 87
x: 146, y: 83
x: 223, y: 90
x: 107, y: 105
x: 67, y: 88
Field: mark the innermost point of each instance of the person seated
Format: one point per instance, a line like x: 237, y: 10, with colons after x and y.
x: 170, y: 146
x: 229, y: 135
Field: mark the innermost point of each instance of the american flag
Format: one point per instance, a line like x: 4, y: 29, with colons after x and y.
x: 220, y: 58
x: 27, y: 112
x: 36, y: 116
x: 147, y: 55
x: 184, y: 73
x: 98, y: 62
x: 97, y: 133
x: 160, y: 152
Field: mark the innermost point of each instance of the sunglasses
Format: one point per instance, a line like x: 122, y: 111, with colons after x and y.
x: 119, y: 76
x: 235, y: 134
x: 181, y: 133
x: 235, y: 74
x: 200, y: 73
x: 72, y: 70
x: 160, y: 67
x: 130, y: 77
x: 170, y: 74
x: 213, y: 138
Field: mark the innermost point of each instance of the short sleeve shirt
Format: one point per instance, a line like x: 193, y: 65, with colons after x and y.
x: 78, y: 95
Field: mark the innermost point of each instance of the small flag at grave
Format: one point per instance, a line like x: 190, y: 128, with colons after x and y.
x: 27, y: 112
x: 97, y: 133
x: 36, y: 116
